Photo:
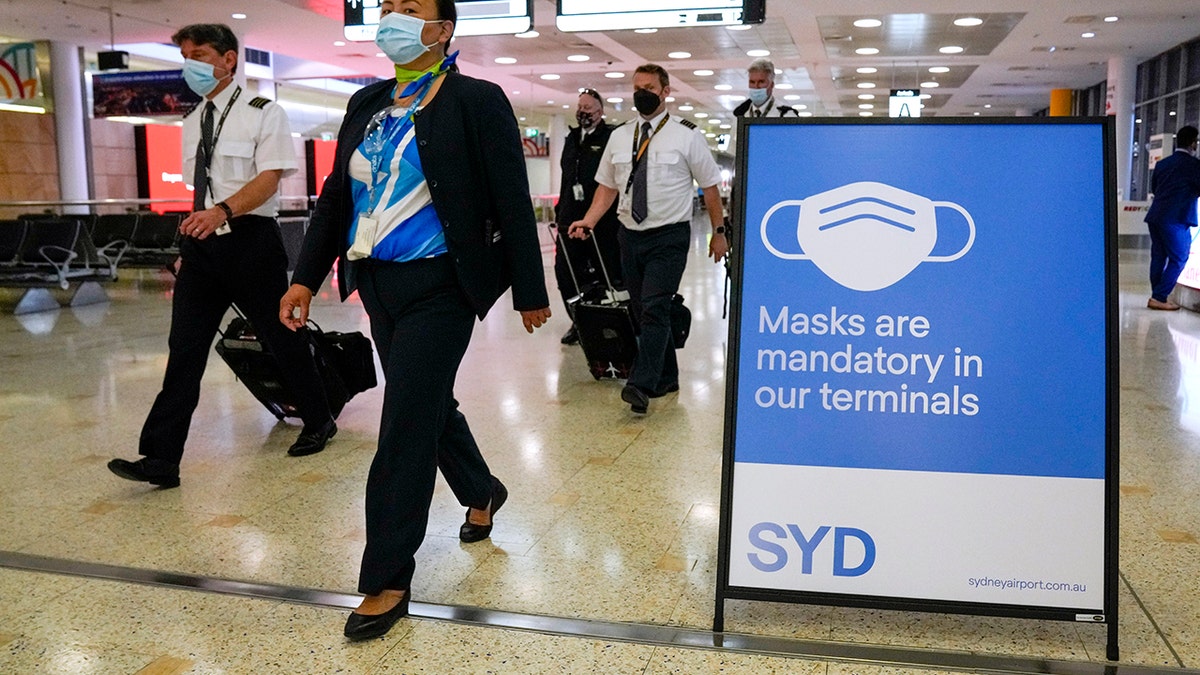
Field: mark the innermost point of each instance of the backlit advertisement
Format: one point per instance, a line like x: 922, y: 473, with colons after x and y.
x: 160, y: 166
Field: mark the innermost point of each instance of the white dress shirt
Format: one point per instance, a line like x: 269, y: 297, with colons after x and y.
x: 679, y: 159
x: 252, y: 140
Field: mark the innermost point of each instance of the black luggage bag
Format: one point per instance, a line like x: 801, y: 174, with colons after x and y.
x: 605, y: 323
x: 345, y: 362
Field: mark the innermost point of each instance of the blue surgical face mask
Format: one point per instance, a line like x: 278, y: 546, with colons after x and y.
x: 758, y: 96
x: 200, y: 76
x: 399, y: 36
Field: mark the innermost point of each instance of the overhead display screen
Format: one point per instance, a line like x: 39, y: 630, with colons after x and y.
x: 475, y: 17
x: 589, y: 15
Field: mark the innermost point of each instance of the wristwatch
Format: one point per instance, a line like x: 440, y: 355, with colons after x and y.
x: 225, y: 207
x: 720, y: 230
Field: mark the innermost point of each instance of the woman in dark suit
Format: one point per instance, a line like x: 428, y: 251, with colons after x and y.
x: 427, y: 211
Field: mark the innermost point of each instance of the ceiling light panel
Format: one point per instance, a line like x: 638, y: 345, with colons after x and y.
x: 915, y: 35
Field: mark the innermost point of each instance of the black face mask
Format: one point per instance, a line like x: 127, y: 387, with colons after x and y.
x: 646, y: 101
x: 586, y: 120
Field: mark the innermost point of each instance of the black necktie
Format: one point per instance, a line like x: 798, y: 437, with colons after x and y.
x: 200, y: 176
x: 639, y: 209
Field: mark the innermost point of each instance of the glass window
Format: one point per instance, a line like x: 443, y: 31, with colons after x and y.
x: 1150, y: 119
x: 1191, y: 108
x: 1154, y: 87
x: 1193, y: 63
x: 1174, y: 63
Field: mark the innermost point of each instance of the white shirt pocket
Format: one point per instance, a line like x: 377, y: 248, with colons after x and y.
x: 663, y: 165
x: 238, y: 157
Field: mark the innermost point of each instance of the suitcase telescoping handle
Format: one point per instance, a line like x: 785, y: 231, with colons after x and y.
x: 170, y: 267
x: 612, y: 293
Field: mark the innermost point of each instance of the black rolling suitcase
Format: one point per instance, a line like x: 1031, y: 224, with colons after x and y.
x: 605, y: 323
x: 345, y: 362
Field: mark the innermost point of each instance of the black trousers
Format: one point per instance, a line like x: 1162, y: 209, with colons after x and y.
x: 422, y: 324
x: 248, y: 267
x: 654, y: 261
x: 586, y: 263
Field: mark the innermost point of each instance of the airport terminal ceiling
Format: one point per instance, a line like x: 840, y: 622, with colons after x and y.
x: 826, y: 64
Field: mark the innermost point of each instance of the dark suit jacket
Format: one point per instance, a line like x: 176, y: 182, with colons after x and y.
x: 579, y: 164
x: 474, y: 164
x: 1175, y: 185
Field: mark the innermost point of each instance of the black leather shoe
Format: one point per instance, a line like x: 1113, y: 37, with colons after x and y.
x: 470, y: 532
x: 366, y: 627
x: 312, y: 442
x: 636, y: 398
x: 571, y: 337
x: 147, y: 470
x: 665, y: 390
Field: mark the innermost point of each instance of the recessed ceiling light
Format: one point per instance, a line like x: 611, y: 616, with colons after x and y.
x: 866, y: 51
x: 866, y: 106
x: 339, y: 43
x: 714, y: 120
x: 866, y: 85
x: 1110, y: 19
x: 520, y: 119
x: 551, y: 76
x: 930, y: 85
x: 527, y: 34
x: 565, y: 106
x: 380, y: 55
x: 867, y: 70
x: 726, y: 126
x: 987, y: 105
x: 784, y: 85
x: 805, y: 114
x: 868, y: 23
x: 670, y: 99
x: 866, y: 113
x: 968, y: 21
x: 792, y: 97
x: 579, y: 58
x: 738, y: 97
x: 939, y: 69
x: 238, y: 15
x: 515, y: 92
x: 952, y: 49
x: 926, y: 96
x: 646, y: 31
x: 615, y: 99
x: 756, y: 53
x: 702, y: 73
x: 1171, y: 114
x: 976, y: 112
x: 680, y: 55
x: 800, y: 107
x: 866, y: 97
x: 686, y: 108
x: 710, y: 135
x: 779, y: 71
x: 1089, y: 34
x: 723, y: 87
x: 505, y: 60
x: 549, y: 102
x: 740, y: 26
x: 701, y: 115
x: 614, y: 75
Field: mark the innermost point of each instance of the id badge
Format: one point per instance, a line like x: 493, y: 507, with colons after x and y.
x: 578, y: 190
x: 364, y: 238
x: 223, y: 229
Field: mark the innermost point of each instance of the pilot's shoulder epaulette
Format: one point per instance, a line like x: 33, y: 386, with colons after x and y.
x: 686, y: 122
x: 259, y: 102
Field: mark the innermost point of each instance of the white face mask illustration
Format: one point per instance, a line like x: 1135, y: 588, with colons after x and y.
x: 867, y: 236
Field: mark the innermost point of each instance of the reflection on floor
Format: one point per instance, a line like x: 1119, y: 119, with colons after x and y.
x: 611, y: 517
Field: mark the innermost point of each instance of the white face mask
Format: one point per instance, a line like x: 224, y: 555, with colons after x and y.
x: 867, y: 236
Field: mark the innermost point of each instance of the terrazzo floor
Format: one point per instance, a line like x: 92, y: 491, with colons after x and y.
x: 611, y: 517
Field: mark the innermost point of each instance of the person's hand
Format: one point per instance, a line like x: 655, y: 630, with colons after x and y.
x: 718, y: 247
x: 202, y: 223
x: 297, y: 297
x: 580, y: 229
x: 534, y: 318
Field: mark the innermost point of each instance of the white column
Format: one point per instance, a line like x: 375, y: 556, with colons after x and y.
x: 66, y: 67
x: 558, y: 138
x: 1122, y: 78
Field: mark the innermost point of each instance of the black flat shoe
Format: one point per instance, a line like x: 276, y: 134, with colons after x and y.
x: 312, y: 442
x: 637, y: 399
x: 367, y: 627
x: 571, y: 337
x: 146, y: 470
x: 470, y: 532
x: 665, y: 390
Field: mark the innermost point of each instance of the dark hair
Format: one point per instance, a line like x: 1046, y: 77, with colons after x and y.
x: 1186, y: 136
x: 216, y: 35
x: 654, y: 69
x: 588, y: 91
x: 448, y: 12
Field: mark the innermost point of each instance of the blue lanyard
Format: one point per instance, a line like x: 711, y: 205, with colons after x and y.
x: 381, y: 134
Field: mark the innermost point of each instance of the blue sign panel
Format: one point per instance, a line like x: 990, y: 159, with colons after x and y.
x: 921, y: 356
